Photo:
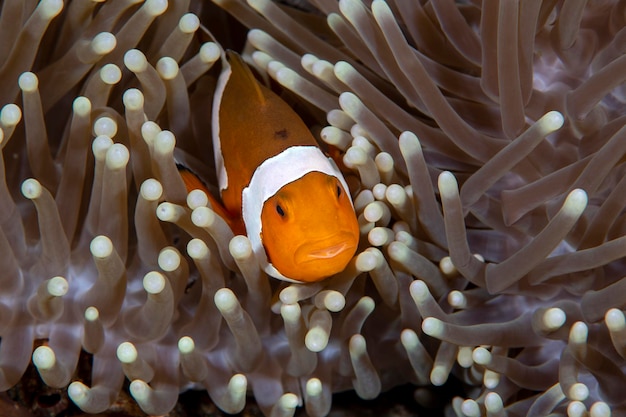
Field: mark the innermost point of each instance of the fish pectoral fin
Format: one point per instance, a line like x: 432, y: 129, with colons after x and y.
x: 336, y: 155
x: 235, y: 223
x: 193, y: 182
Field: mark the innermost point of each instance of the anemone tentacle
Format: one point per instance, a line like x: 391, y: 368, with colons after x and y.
x: 482, y: 143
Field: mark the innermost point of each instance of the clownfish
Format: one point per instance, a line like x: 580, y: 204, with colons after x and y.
x: 291, y: 197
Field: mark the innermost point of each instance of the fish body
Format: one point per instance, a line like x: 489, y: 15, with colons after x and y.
x: 292, y: 198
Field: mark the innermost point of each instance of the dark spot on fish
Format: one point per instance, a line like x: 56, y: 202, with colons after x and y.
x: 281, y: 134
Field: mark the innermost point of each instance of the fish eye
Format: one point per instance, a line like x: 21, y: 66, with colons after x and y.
x: 280, y: 210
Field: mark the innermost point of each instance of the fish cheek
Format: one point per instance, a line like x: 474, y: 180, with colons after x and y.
x: 346, y: 220
x: 345, y: 206
x: 342, y: 212
x: 276, y: 236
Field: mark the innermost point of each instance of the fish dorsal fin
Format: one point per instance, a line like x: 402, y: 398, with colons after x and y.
x: 243, y: 77
x: 235, y: 80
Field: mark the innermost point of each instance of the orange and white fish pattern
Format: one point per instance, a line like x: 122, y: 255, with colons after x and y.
x: 292, y: 198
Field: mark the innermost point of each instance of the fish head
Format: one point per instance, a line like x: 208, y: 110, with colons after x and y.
x: 309, y: 228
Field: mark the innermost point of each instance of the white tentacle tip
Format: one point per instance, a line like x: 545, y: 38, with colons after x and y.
x: 457, y: 299
x: 438, y: 376
x: 447, y: 184
x: 419, y: 290
x: 332, y: 300
x: 615, y: 320
x: 44, y: 358
x: 140, y: 390
x: 78, y: 392
x: 92, y: 314
x: 197, y: 249
x: 189, y: 23
x: 240, y: 247
x: 491, y: 379
x: 578, y: 392
x: 169, y: 259
x: 409, y: 339
x: 156, y: 7
x: 551, y: 121
x: 105, y: 126
x: 409, y: 141
x: 554, y: 318
x: 50, y: 8
x: 133, y: 99
x: 126, y: 352
x: 357, y: 345
x: 366, y: 261
x: 28, y: 82
x: 167, y: 68
x: 432, y: 326
x: 110, y: 74
x: 100, y: 146
x: 57, y: 286
x: 82, y: 106
x: 493, y: 403
x: 135, y: 60
x: 31, y: 189
x: 576, y: 409
x: 225, y: 300
x: 197, y: 198
x: 313, y: 387
x: 470, y: 408
x: 149, y: 132
x: 210, y: 52
x: 576, y: 202
x: 117, y: 156
x: 238, y: 384
x: 288, y: 401
x: 164, y: 142
x: 151, y: 189
x: 10, y: 115
x: 154, y: 282
x: 103, y: 43
x: 186, y: 345
x: 481, y: 356
x: 101, y: 247
x: 578, y: 333
x: 316, y: 339
x: 600, y: 409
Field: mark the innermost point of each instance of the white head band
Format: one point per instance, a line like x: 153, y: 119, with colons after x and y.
x: 274, y: 173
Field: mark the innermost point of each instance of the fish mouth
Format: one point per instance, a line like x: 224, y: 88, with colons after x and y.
x: 324, y: 249
x: 328, y: 252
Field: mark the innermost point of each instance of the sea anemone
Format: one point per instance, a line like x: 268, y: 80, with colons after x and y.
x: 484, y: 147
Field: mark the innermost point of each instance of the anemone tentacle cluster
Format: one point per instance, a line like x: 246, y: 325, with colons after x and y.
x: 483, y: 142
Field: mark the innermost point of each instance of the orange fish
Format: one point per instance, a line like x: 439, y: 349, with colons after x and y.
x: 292, y: 198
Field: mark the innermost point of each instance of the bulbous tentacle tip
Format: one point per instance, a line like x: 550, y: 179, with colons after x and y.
x: 286, y: 406
x: 105, y: 126
x: 52, y: 371
x: 49, y: 9
x: 452, y: 144
x: 92, y: 400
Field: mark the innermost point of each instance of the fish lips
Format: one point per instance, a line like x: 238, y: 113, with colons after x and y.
x: 341, y: 244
